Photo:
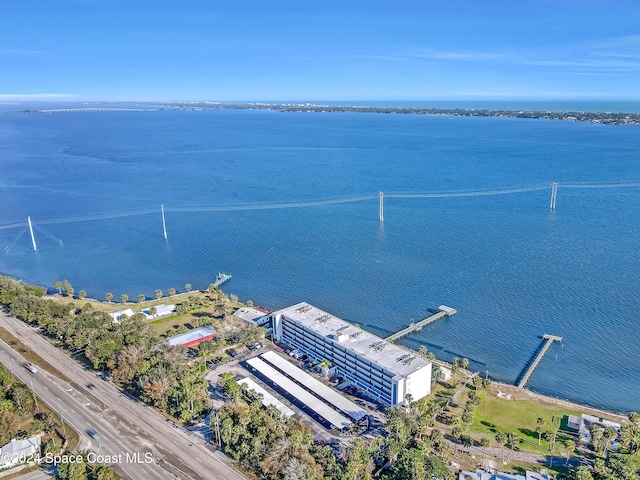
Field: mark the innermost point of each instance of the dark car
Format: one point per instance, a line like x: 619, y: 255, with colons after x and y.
x: 93, y: 434
x: 232, y: 352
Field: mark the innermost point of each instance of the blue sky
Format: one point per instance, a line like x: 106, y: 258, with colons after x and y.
x: 273, y: 50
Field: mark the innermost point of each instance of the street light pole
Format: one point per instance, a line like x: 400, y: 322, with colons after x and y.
x: 61, y: 412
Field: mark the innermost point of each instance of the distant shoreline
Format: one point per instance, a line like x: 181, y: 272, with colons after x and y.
x: 604, y: 118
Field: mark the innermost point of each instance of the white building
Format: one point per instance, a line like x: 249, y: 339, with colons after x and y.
x: 17, y: 451
x: 384, y: 370
x: 253, y: 316
x: 444, y: 374
x: 585, y: 423
x: 483, y: 475
x: 162, y: 310
x: 119, y: 313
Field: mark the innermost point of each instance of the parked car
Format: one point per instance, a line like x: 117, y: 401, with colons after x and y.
x: 232, y: 352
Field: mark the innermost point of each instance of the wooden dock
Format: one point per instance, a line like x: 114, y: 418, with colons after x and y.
x: 525, y: 376
x: 444, y: 311
x: 221, y: 278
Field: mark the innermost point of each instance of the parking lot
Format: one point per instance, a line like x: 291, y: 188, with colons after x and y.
x: 239, y: 369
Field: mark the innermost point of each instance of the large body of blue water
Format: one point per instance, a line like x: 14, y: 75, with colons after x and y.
x: 513, y: 269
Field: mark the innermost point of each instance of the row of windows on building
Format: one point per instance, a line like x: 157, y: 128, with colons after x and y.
x: 363, y: 373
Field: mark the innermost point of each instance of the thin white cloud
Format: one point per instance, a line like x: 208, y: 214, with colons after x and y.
x: 35, y: 96
x: 18, y: 51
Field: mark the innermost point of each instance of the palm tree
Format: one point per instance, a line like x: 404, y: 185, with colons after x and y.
x: 501, y: 439
x: 610, y: 435
x: 109, y: 297
x: 153, y: 311
x: 408, y: 398
x: 464, y: 363
x: 158, y: 293
x: 187, y: 287
x: 596, y: 435
x: 477, y: 382
x: 548, y: 436
x: 325, y: 365
x: 70, y: 291
x: 172, y: 292
x: 124, y: 298
x: 59, y: 287
x: 141, y: 298
x: 455, y: 368
x: 540, y: 422
x: 82, y: 294
x: 422, y: 351
x: 484, y: 443
x: 512, y: 440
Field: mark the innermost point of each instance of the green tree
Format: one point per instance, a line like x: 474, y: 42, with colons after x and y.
x: 464, y: 363
x: 124, y: 298
x: 141, y: 298
x: 485, y: 443
x: 59, y: 287
x: 172, y: 292
x: 108, y: 297
x: 610, y: 435
x: 540, y: 423
x: 501, y: 439
x: 548, y: 436
x: 67, y: 286
x: 477, y: 382
x: 455, y: 368
x: 596, y: 436
x: 581, y: 473
x: 82, y: 294
x: 187, y: 287
x: 325, y: 366
x: 467, y: 418
x: 422, y: 351
x: 153, y: 311
x: 249, y: 303
x: 158, y: 294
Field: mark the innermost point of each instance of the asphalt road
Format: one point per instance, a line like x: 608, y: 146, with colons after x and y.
x: 141, y: 443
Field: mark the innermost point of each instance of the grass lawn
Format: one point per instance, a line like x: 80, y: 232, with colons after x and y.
x: 519, y: 417
x: 103, y: 306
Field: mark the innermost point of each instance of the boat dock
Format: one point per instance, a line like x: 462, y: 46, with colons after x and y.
x: 525, y: 376
x: 444, y: 311
x: 221, y: 278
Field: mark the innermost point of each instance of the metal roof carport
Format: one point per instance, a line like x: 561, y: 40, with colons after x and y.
x: 325, y: 411
x: 267, y: 398
x: 332, y: 397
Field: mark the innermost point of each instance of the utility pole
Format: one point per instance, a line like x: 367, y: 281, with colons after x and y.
x: 554, y: 192
x: 33, y: 239
x: 164, y: 225
x: 35, y: 399
x: 218, y: 432
x: 61, y: 412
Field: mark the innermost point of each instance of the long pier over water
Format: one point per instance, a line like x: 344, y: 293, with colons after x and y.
x: 444, y: 311
x: 533, y: 364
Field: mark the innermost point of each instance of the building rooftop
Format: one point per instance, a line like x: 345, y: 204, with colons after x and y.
x: 192, y: 335
x: 12, y: 452
x: 267, y: 398
x: 392, y: 357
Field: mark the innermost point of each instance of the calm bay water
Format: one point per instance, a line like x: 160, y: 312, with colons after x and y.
x: 512, y: 269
